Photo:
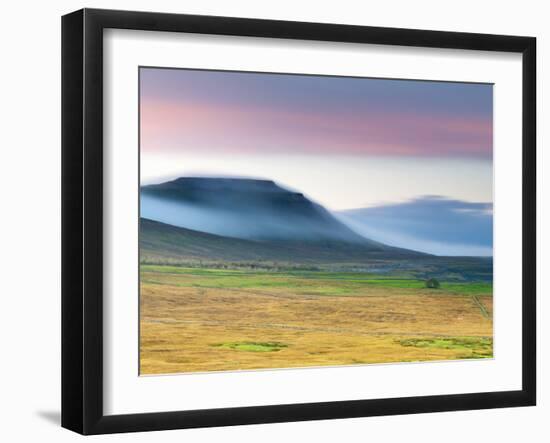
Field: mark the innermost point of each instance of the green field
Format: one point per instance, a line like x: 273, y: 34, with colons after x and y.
x: 299, y: 282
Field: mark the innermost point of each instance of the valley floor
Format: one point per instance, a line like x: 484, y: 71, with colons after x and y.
x: 195, y: 320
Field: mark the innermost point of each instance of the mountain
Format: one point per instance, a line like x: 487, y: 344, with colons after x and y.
x: 245, y: 209
x: 160, y: 242
x: 432, y: 224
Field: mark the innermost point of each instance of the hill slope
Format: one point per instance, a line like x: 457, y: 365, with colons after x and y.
x: 159, y: 241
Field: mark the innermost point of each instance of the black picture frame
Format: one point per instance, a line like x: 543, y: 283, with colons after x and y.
x: 82, y: 219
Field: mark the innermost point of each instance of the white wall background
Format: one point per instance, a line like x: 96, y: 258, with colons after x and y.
x: 30, y: 219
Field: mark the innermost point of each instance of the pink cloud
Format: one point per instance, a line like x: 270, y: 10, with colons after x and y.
x: 167, y: 126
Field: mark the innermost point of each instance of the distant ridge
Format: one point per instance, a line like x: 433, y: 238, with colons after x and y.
x: 434, y: 224
x: 248, y: 209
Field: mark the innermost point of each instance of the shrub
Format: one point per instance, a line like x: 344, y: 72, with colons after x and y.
x: 432, y: 283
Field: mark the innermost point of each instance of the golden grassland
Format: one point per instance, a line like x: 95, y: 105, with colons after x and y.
x: 194, y: 320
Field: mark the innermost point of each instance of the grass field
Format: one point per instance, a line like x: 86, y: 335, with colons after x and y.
x: 202, y: 319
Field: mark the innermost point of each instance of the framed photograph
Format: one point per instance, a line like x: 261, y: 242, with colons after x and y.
x: 269, y: 221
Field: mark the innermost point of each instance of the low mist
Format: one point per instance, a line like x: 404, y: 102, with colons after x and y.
x: 261, y: 216
x: 432, y: 224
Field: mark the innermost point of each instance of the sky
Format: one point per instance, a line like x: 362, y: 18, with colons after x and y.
x: 346, y: 143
